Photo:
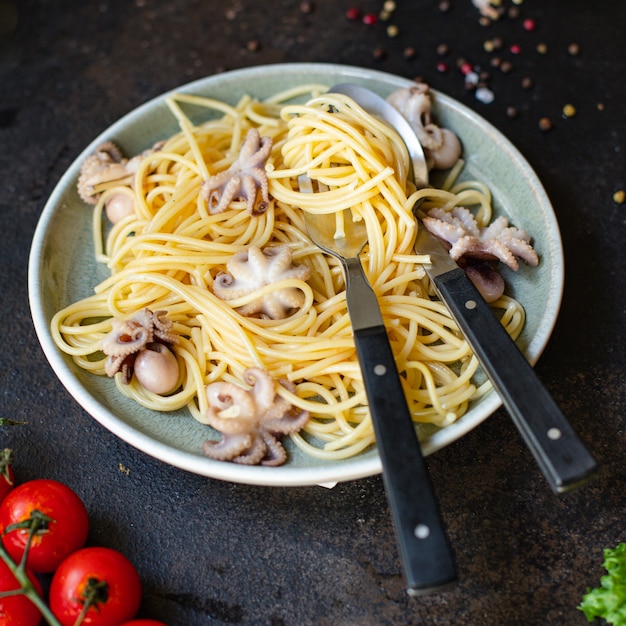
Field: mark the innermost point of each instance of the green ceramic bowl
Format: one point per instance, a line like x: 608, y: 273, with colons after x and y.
x: 62, y: 243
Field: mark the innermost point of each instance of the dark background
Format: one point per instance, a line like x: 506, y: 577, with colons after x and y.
x: 217, y: 553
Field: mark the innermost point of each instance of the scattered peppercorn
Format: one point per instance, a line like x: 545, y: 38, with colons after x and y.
x: 442, y: 49
x: 485, y: 95
x: 569, y: 110
x: 444, y: 6
x: 442, y: 67
x: 506, y: 67
x: 392, y: 30
x: 515, y: 49
x: 619, y: 196
x: 573, y: 49
x: 527, y: 82
x: 353, y: 13
x: 545, y: 124
x: 495, y: 61
x: 389, y: 6
x: 600, y: 106
x: 409, y: 52
x: 512, y: 112
x: 513, y: 13
x: 370, y: 19
x: 529, y: 25
x: 380, y: 53
x: 542, y: 48
x: 253, y: 45
x: 307, y: 7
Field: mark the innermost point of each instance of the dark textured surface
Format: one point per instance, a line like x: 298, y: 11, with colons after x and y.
x: 217, y: 553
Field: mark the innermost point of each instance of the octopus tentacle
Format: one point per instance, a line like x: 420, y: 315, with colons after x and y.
x: 245, y: 179
x: 130, y: 337
x: 252, y: 269
x: 466, y: 240
x: 272, y: 415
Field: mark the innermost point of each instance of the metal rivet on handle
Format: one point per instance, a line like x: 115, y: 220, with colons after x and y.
x: 554, y: 433
x: 421, y: 531
x: 380, y: 369
x: 470, y: 304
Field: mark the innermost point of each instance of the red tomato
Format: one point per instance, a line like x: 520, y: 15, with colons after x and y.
x: 105, y: 574
x: 7, y: 478
x: 63, y: 534
x: 17, y: 610
x: 144, y: 622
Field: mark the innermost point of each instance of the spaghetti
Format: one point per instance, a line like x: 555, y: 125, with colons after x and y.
x: 167, y: 255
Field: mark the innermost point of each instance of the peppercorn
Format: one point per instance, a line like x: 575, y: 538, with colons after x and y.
x: 573, y: 49
x: 512, y: 112
x: 619, y: 196
x: 380, y: 53
x: 370, y: 19
x: 527, y: 82
x: 353, y: 13
x: 545, y: 124
x: 569, y: 110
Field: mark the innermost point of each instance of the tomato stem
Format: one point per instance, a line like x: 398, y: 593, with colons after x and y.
x: 96, y: 592
x: 6, y: 460
x: 27, y: 588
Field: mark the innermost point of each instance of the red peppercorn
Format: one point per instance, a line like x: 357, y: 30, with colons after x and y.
x: 353, y: 13
x: 529, y: 25
x: 370, y: 19
x: 515, y: 49
x: 466, y: 68
x: 442, y: 67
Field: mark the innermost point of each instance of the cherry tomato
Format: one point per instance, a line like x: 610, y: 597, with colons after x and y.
x: 101, y: 576
x: 144, y: 622
x: 17, y: 610
x: 7, y: 477
x: 62, y: 519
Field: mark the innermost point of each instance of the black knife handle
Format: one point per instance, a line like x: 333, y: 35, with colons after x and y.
x: 425, y: 552
x: 561, y: 455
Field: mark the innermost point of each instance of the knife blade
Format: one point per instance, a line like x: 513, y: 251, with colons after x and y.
x: 561, y: 455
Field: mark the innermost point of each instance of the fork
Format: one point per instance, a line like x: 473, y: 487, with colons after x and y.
x: 424, y: 549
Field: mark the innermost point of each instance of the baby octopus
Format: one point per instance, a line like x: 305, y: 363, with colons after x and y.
x: 475, y: 248
x: 252, y: 269
x: 442, y: 147
x: 108, y: 165
x: 251, y: 420
x: 245, y: 179
x: 140, y: 345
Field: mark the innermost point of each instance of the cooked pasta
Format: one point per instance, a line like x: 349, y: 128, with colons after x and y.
x: 167, y: 255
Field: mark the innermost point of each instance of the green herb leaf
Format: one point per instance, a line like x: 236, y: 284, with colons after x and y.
x: 609, y: 600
